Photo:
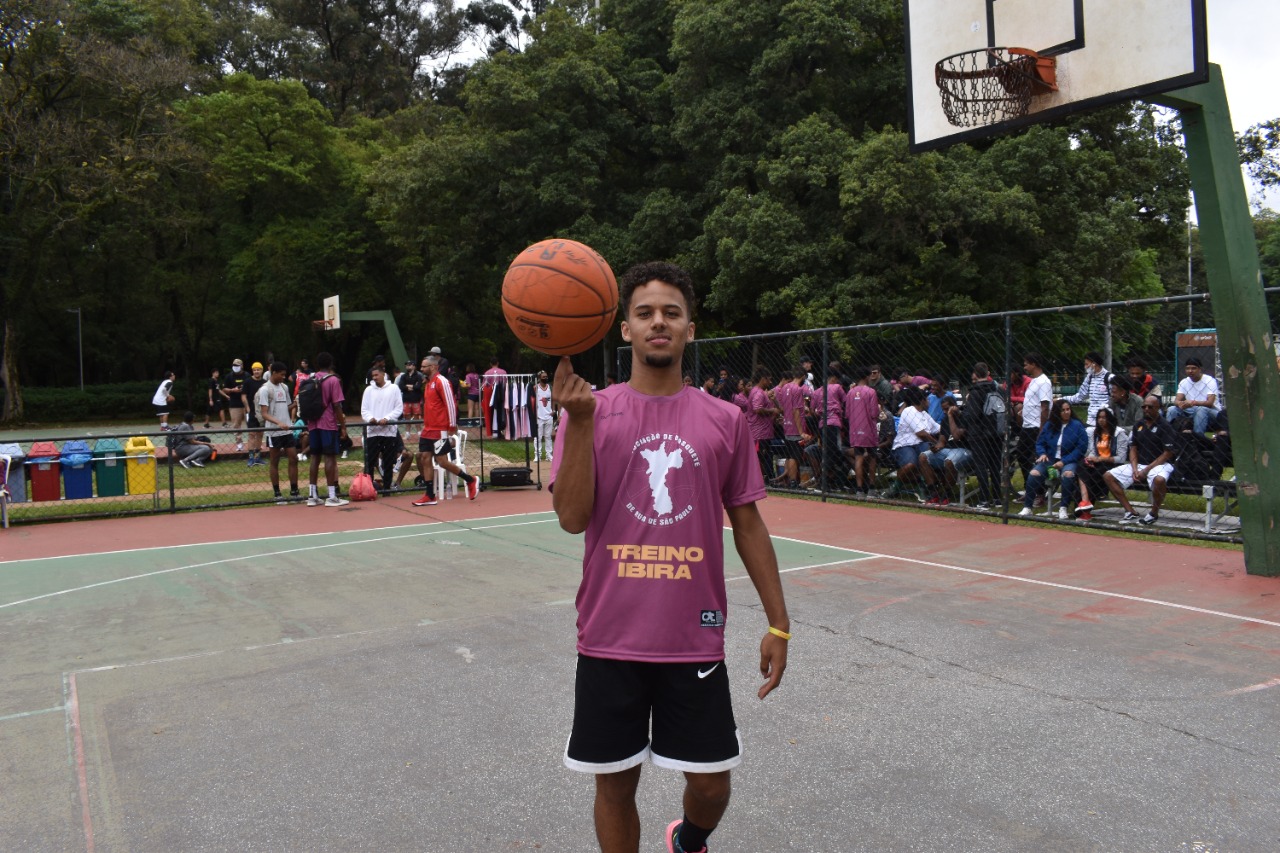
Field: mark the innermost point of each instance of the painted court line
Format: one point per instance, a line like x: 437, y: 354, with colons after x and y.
x: 448, y: 529
x: 264, y: 538
x: 1051, y: 584
x: 8, y: 717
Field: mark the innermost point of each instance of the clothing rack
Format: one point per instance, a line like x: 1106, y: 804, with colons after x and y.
x: 534, y: 465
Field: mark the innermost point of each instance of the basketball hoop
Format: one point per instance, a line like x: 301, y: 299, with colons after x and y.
x: 321, y: 325
x: 993, y: 84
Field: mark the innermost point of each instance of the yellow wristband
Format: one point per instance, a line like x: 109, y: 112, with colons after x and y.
x: 778, y: 632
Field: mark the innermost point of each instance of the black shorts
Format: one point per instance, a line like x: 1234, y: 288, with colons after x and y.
x: 160, y: 410
x: 688, y: 704
x: 436, y: 446
x: 282, y: 442
x: 793, y: 448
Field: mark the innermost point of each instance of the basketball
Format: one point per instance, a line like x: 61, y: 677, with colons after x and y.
x: 559, y: 297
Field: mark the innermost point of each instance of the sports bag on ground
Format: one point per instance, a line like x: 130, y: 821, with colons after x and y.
x: 362, y: 488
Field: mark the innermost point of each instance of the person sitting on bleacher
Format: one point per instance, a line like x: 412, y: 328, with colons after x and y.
x: 1061, y: 446
x: 1151, y: 451
x: 1126, y: 406
x: 1198, y: 396
x: 1108, y: 447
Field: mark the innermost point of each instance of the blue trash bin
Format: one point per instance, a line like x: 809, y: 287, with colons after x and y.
x: 17, y: 472
x: 77, y: 470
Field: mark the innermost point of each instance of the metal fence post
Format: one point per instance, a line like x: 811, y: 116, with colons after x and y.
x: 1006, y: 470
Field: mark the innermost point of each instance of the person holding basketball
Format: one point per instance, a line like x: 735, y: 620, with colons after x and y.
x: 646, y: 469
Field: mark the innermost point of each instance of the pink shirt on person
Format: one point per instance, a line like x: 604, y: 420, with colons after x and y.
x: 761, y: 425
x: 790, y: 400
x: 330, y: 393
x: 862, y: 410
x: 834, y: 401
x: 653, y: 572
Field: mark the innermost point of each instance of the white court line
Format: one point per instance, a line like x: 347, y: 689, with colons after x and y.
x: 1051, y: 584
x: 451, y: 528
x: 265, y: 538
x: 8, y: 717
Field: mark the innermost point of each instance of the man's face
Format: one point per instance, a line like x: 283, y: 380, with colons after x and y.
x: 1150, y: 409
x: 724, y: 374
x: 1119, y: 394
x: 257, y: 373
x: 277, y: 376
x: 1090, y: 367
x: 1135, y: 373
x: 379, y: 376
x: 936, y: 387
x: 1195, y: 372
x: 1028, y: 368
x: 428, y: 368
x: 658, y: 325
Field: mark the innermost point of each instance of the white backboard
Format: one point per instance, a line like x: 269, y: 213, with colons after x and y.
x: 332, y: 313
x: 1106, y: 51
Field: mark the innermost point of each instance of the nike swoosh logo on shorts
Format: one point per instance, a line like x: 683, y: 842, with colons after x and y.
x: 702, y: 674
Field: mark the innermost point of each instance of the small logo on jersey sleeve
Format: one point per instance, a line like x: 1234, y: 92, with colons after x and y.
x: 713, y: 619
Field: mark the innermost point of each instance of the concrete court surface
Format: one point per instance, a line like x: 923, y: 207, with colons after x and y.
x: 404, y: 682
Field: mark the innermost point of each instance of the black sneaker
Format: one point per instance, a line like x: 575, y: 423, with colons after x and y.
x: 1149, y: 519
x: 1128, y: 518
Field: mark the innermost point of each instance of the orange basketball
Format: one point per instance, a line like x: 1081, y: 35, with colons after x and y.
x: 559, y: 297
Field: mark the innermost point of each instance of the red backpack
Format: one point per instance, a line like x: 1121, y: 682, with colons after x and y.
x: 362, y: 488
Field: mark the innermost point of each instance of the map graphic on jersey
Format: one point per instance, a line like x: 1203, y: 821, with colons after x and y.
x: 660, y: 464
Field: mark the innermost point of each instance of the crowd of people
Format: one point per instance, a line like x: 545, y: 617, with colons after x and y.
x: 299, y: 416
x: 855, y: 427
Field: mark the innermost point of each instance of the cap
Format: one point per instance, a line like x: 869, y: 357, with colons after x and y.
x: 408, y: 362
x: 257, y: 365
x: 807, y: 358
x: 435, y: 350
x: 237, y: 363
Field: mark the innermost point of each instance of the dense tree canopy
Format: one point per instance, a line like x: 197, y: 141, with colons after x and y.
x: 199, y: 174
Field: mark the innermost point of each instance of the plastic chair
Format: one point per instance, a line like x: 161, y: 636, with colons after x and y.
x: 447, y: 481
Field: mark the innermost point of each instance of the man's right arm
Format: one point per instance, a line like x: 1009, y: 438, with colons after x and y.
x: 574, y: 494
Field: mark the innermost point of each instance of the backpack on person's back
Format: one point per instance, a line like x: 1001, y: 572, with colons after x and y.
x: 987, y: 411
x: 311, y: 397
x: 996, y: 411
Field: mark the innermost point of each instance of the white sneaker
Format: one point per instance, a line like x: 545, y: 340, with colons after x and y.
x: 1026, y: 511
x: 184, y: 463
x: 314, y: 502
x: 1062, y: 513
x: 336, y: 502
x: 344, y: 454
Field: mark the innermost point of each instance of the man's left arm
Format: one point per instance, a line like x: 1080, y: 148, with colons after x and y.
x: 751, y: 538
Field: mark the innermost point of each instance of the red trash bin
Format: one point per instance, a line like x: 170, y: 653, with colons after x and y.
x: 45, y: 468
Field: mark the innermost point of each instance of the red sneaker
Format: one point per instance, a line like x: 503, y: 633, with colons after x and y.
x: 473, y: 488
x: 426, y: 500
x: 1085, y: 516
x: 1083, y: 508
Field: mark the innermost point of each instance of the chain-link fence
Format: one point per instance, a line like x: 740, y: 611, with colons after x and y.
x: 109, y: 474
x: 809, y: 448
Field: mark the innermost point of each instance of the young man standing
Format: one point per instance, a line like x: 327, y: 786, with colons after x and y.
x: 233, y: 384
x: 324, y: 435
x: 275, y: 409
x: 218, y: 407
x: 381, y: 407
x: 252, y: 386
x: 862, y: 413
x: 410, y: 383
x: 163, y: 399
x: 439, y: 425
x: 647, y: 469
x: 1036, y: 399
x: 546, y: 417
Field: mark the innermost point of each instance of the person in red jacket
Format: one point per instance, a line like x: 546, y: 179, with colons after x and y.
x: 439, y: 425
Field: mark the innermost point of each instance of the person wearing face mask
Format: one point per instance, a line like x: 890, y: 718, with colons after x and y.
x: 233, y: 384
x: 1096, y: 387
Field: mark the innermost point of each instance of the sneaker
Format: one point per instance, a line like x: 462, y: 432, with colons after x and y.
x: 1083, y: 508
x: 314, y: 502
x: 1149, y: 519
x: 184, y: 463
x: 673, y: 841
x: 206, y: 424
x: 302, y: 457
x: 249, y: 463
x: 933, y: 501
x: 336, y: 502
x: 473, y: 488
x: 1039, y: 503
x: 983, y: 506
x: 239, y: 446
x: 1085, y: 516
x: 344, y: 455
x: 281, y: 500
x: 1026, y: 511
x: 225, y: 425
x: 1128, y: 518
x: 425, y: 501
x: 197, y: 463
x: 294, y: 496
x: 944, y: 501
x: 1062, y: 513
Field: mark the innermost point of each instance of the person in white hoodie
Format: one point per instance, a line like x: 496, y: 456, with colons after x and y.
x: 381, y: 408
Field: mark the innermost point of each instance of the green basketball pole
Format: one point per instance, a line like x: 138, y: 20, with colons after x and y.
x: 1240, y: 313
x: 394, y: 341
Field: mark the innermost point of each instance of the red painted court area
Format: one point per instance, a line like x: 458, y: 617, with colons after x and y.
x: 1194, y: 575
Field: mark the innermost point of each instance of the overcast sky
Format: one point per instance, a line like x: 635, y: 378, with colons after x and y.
x: 1242, y: 37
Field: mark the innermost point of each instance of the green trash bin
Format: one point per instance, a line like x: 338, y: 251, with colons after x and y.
x: 109, y: 467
